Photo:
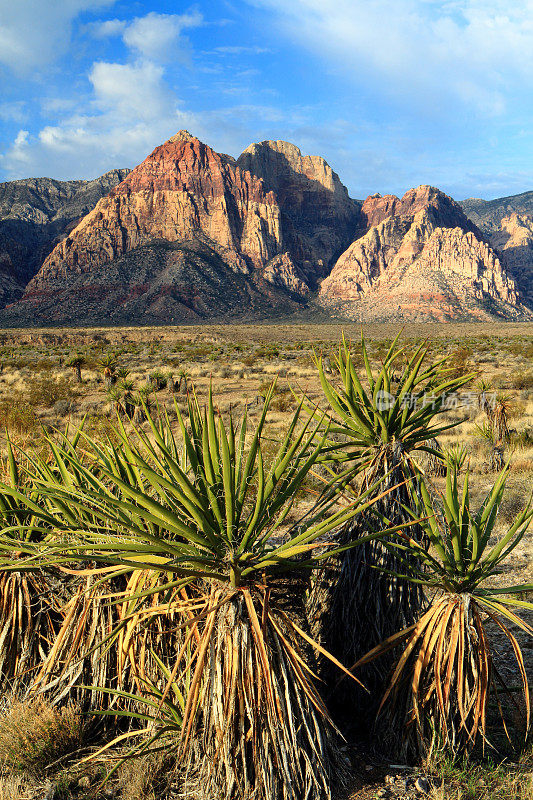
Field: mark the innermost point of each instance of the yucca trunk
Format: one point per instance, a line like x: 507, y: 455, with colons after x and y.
x: 262, y: 730
x: 83, y: 655
x: 28, y: 621
x: 355, y: 603
x: 438, y: 694
x: 75, y: 660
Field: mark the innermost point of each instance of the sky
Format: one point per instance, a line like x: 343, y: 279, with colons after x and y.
x: 392, y: 93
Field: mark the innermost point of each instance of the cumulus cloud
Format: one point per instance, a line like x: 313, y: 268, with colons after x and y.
x: 107, y: 28
x: 129, y: 109
x: 32, y: 36
x: 471, y: 51
x: 132, y: 110
x: 158, y: 36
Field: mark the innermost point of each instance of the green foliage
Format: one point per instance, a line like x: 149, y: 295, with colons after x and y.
x: 397, y: 407
x: 444, y: 675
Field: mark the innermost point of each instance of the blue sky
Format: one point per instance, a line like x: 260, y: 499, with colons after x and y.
x: 392, y: 93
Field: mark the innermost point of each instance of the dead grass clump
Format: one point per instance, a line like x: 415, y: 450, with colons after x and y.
x: 35, y: 734
x: 522, y: 465
x: 142, y: 778
x: 511, y: 506
x: 14, y: 788
x: 45, y: 391
x: 17, y: 417
x: 522, y: 380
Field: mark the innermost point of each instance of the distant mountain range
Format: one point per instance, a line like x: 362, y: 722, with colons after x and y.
x: 192, y: 235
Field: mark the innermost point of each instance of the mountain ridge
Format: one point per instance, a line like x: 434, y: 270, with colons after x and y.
x: 192, y: 234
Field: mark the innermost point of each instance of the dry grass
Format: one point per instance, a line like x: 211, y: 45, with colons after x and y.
x: 35, y: 734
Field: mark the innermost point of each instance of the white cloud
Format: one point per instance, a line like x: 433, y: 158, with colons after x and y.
x: 108, y: 28
x: 19, y: 153
x: 158, y: 36
x: 242, y: 50
x: 132, y: 110
x: 14, y: 111
x: 129, y: 110
x: 430, y: 52
x: 131, y: 91
x: 34, y: 33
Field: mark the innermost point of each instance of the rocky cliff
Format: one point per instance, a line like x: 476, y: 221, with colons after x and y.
x: 277, y: 225
x: 419, y: 259
x: 319, y: 219
x: 489, y: 214
x: 193, y: 234
x: 34, y: 214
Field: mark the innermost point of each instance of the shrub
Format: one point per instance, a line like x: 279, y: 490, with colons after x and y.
x: 45, y: 391
x: 34, y: 734
x: 522, y: 380
x: 17, y: 417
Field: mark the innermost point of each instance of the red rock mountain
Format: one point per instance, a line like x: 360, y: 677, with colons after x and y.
x: 191, y: 234
x: 419, y: 259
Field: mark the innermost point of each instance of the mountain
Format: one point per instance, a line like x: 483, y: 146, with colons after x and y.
x: 419, y: 259
x: 194, y: 234
x: 318, y: 217
x: 191, y: 234
x: 508, y: 224
x: 34, y: 214
x: 489, y: 214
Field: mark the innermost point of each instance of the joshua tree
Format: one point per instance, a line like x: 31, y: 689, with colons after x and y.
x: 76, y: 362
x: 158, y: 380
x: 502, y: 410
x: 108, y: 364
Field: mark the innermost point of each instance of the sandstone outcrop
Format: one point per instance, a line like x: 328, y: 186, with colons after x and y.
x: 183, y: 188
x: 421, y: 258
x: 319, y: 218
x: 514, y: 242
x: 191, y: 235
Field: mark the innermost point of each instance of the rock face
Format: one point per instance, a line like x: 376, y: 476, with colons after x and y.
x: 513, y: 240
x: 319, y: 219
x: 222, y: 220
x: 420, y: 259
x: 34, y: 214
x: 191, y: 234
x: 489, y: 214
x: 508, y: 224
x: 183, y: 188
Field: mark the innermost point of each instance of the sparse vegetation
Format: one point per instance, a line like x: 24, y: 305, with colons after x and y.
x: 39, y: 399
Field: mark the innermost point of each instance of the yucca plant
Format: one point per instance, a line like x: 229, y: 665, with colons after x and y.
x: 108, y: 364
x: 97, y: 640
x: 484, y: 401
x: 502, y: 410
x: 76, y: 362
x: 445, y: 676
x: 380, y: 428
x: 207, y: 516
x: 435, y: 463
x: 29, y: 615
x: 455, y: 457
x: 486, y: 432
